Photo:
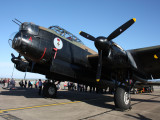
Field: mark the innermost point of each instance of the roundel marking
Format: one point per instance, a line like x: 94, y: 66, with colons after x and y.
x: 58, y: 43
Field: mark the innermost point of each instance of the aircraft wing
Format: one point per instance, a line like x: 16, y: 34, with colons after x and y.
x: 145, y: 61
x: 143, y: 58
x: 148, y: 83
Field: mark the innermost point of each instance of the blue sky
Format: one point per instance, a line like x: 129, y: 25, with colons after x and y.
x: 96, y: 17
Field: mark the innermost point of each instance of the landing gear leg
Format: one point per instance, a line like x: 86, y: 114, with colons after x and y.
x: 122, y: 98
x: 50, y: 90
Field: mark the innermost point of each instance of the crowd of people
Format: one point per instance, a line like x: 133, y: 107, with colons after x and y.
x: 38, y: 84
x: 85, y: 88
x: 28, y: 83
x: 8, y: 83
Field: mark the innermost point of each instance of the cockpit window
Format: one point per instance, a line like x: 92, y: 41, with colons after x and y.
x: 30, y: 28
x: 65, y: 34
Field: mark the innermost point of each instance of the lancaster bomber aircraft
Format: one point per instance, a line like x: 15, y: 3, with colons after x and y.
x: 60, y: 55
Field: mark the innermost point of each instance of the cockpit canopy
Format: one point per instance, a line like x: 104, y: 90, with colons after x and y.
x: 65, y: 33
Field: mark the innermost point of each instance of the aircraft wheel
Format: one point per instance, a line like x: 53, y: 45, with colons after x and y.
x: 122, y: 98
x: 50, y: 91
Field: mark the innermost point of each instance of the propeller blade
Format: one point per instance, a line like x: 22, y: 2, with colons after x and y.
x: 99, y: 67
x: 87, y: 36
x: 121, y: 29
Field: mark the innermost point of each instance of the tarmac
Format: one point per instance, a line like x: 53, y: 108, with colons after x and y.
x: 26, y: 104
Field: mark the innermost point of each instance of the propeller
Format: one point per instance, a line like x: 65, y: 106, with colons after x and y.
x: 103, y: 43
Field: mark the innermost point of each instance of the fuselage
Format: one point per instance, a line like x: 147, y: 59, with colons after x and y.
x: 62, y: 57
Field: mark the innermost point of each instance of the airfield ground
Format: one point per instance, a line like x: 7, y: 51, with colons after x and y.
x: 26, y: 104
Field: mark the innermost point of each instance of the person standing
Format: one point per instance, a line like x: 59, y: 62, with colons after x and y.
x: 29, y: 84
x: 40, y: 87
x: 12, y: 84
x: 35, y: 84
x: 8, y: 81
x: 69, y: 85
x: 25, y: 83
x: 65, y: 85
x: 4, y: 82
x: 21, y: 83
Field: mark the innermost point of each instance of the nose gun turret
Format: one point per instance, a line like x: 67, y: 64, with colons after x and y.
x: 30, y: 28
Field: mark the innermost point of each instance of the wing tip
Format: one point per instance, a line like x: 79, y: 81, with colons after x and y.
x: 155, y: 56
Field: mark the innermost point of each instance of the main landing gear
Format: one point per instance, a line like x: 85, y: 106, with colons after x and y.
x: 49, y: 89
x: 122, y: 98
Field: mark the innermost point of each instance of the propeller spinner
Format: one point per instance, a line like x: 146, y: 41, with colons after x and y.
x: 103, y: 42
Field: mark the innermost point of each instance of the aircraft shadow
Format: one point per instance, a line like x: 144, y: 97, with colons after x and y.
x: 95, y: 99
x: 138, y: 117
x: 146, y: 100
x: 99, y: 100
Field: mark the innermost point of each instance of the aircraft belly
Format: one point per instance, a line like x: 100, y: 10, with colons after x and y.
x: 79, y: 73
x: 63, y: 67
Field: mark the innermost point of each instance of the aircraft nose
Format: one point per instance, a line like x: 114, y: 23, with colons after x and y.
x: 16, y: 41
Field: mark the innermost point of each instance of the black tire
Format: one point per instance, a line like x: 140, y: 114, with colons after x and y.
x: 50, y: 91
x: 122, y: 98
